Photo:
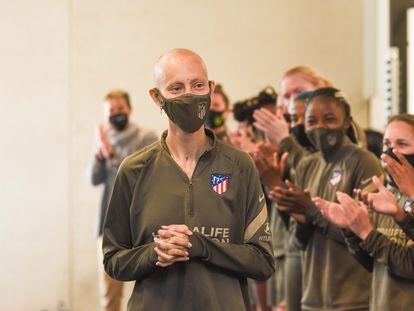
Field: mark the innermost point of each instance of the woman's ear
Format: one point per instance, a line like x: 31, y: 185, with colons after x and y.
x: 156, y: 97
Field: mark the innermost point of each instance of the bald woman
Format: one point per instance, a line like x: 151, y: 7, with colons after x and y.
x: 187, y: 219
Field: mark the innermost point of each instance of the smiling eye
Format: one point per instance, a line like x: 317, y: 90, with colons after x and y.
x: 330, y: 119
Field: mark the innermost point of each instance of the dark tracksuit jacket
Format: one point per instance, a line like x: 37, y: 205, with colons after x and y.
x: 393, y: 254
x: 231, y: 240
x: 333, y: 279
x: 407, y: 224
x: 292, y: 262
x: 275, y: 286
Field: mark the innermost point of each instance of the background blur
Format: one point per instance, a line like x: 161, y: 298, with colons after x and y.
x: 60, y: 57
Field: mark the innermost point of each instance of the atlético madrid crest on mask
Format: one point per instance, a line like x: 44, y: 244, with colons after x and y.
x: 202, y: 110
x: 219, y: 183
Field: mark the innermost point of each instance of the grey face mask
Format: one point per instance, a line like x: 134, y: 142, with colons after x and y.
x: 188, y: 111
x: 325, y: 139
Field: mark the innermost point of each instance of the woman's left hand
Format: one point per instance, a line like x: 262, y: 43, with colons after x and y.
x: 291, y: 199
x: 357, y: 213
x: 270, y: 167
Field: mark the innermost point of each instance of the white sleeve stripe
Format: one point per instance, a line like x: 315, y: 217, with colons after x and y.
x: 256, y: 224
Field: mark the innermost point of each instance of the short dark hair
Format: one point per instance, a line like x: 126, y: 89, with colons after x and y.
x: 303, y: 95
x: 335, y: 94
x: 117, y: 93
x: 374, y: 141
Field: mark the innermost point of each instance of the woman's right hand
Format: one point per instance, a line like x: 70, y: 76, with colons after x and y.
x: 384, y: 201
x: 332, y: 211
x: 172, y: 244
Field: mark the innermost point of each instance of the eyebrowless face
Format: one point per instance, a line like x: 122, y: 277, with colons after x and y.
x: 399, y: 135
x: 178, y: 72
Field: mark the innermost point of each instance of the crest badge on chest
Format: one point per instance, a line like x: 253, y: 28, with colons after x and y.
x: 219, y: 183
x: 336, y: 177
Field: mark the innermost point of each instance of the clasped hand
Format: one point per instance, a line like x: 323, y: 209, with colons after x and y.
x: 172, y: 244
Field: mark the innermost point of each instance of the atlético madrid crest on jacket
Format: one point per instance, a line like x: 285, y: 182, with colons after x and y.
x: 219, y: 183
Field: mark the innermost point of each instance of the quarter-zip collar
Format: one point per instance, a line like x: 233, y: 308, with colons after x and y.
x: 207, y: 131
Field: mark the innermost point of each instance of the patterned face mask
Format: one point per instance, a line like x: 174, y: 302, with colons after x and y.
x: 188, y: 111
x: 325, y: 139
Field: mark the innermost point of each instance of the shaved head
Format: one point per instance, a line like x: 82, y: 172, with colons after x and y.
x: 178, y: 72
x: 174, y: 59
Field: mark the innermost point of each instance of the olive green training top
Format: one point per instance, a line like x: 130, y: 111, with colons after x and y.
x: 223, y: 204
x: 393, y: 254
x: 333, y: 279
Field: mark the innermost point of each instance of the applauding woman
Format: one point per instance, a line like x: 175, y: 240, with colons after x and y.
x: 387, y: 235
x: 332, y: 277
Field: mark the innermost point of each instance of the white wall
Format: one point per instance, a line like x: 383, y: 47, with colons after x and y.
x: 34, y: 191
x: 62, y: 57
x: 376, y: 30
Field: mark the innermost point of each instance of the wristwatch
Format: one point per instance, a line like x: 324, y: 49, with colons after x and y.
x: 408, y: 206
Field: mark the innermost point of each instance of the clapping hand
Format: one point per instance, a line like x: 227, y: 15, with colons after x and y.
x: 291, y: 199
x: 382, y: 202
x: 275, y: 126
x: 105, y: 148
x: 270, y: 166
x: 242, y: 139
x: 333, y: 212
x: 357, y: 215
x: 347, y: 214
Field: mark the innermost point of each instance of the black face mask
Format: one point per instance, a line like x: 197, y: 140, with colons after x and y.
x: 214, y: 119
x: 408, y: 157
x: 299, y: 133
x: 119, y: 121
x: 325, y: 139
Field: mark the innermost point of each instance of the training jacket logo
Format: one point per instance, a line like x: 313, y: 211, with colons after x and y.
x: 267, y: 228
x: 219, y: 183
